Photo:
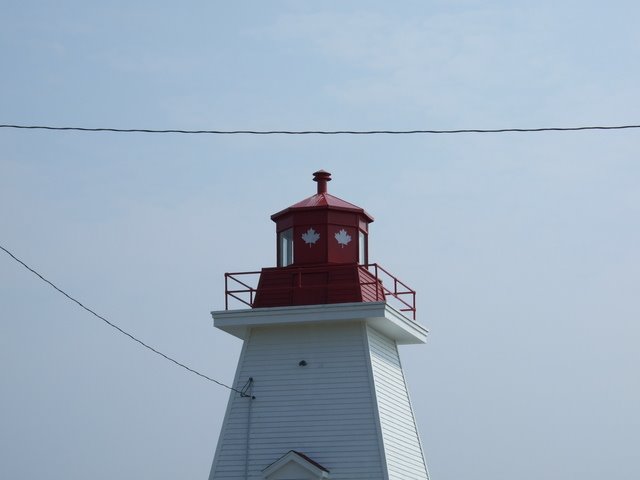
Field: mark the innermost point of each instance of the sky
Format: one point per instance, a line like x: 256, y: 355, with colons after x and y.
x: 523, y: 248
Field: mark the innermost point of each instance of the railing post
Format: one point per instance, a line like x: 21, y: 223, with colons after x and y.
x: 226, y: 290
x: 413, y: 294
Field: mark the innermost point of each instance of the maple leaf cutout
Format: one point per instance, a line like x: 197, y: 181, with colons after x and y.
x: 310, y: 237
x: 343, y: 238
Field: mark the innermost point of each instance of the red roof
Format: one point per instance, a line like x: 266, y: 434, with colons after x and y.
x: 323, y: 200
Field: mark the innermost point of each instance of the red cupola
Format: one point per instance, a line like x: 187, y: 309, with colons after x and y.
x: 322, y: 258
x: 322, y: 229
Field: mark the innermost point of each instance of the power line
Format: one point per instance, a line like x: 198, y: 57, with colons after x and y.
x: 241, y: 392
x: 325, y: 132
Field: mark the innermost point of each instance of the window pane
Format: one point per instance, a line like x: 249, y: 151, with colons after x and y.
x: 286, y: 248
x: 362, y: 248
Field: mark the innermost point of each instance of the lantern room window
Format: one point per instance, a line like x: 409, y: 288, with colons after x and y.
x: 362, y: 247
x: 285, y: 248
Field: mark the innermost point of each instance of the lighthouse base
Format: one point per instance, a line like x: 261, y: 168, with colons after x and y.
x: 329, y: 387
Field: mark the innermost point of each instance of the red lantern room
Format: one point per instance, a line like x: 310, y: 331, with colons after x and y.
x: 322, y: 258
x: 322, y: 229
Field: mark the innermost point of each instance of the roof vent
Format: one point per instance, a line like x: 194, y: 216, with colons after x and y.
x: 322, y: 178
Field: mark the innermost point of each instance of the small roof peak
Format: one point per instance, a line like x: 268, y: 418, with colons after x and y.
x: 322, y: 177
x: 307, y: 464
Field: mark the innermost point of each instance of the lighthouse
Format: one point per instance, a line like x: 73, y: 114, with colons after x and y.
x: 319, y: 391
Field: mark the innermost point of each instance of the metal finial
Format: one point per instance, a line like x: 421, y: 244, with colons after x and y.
x: 322, y: 178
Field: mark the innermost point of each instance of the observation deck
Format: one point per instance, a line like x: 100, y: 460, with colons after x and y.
x: 320, y: 284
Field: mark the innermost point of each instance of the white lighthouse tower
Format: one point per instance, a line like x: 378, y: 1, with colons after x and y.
x: 320, y: 391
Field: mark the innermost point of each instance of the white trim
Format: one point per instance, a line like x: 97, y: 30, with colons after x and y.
x: 293, y: 457
x: 381, y: 316
x: 227, y: 412
x: 376, y: 407
x: 413, y: 416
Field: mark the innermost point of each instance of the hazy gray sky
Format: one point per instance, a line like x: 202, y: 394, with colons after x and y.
x: 523, y: 247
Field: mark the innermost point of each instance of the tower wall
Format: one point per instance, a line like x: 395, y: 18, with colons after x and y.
x: 348, y: 408
x: 325, y: 409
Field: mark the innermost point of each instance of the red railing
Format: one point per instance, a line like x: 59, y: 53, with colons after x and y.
x: 244, y: 291
x: 404, y: 296
x: 392, y: 290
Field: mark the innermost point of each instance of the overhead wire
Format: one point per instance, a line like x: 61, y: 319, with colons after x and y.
x: 242, y: 392
x: 323, y: 132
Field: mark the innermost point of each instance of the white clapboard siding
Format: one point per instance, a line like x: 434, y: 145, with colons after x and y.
x: 325, y: 410
x: 403, y: 452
